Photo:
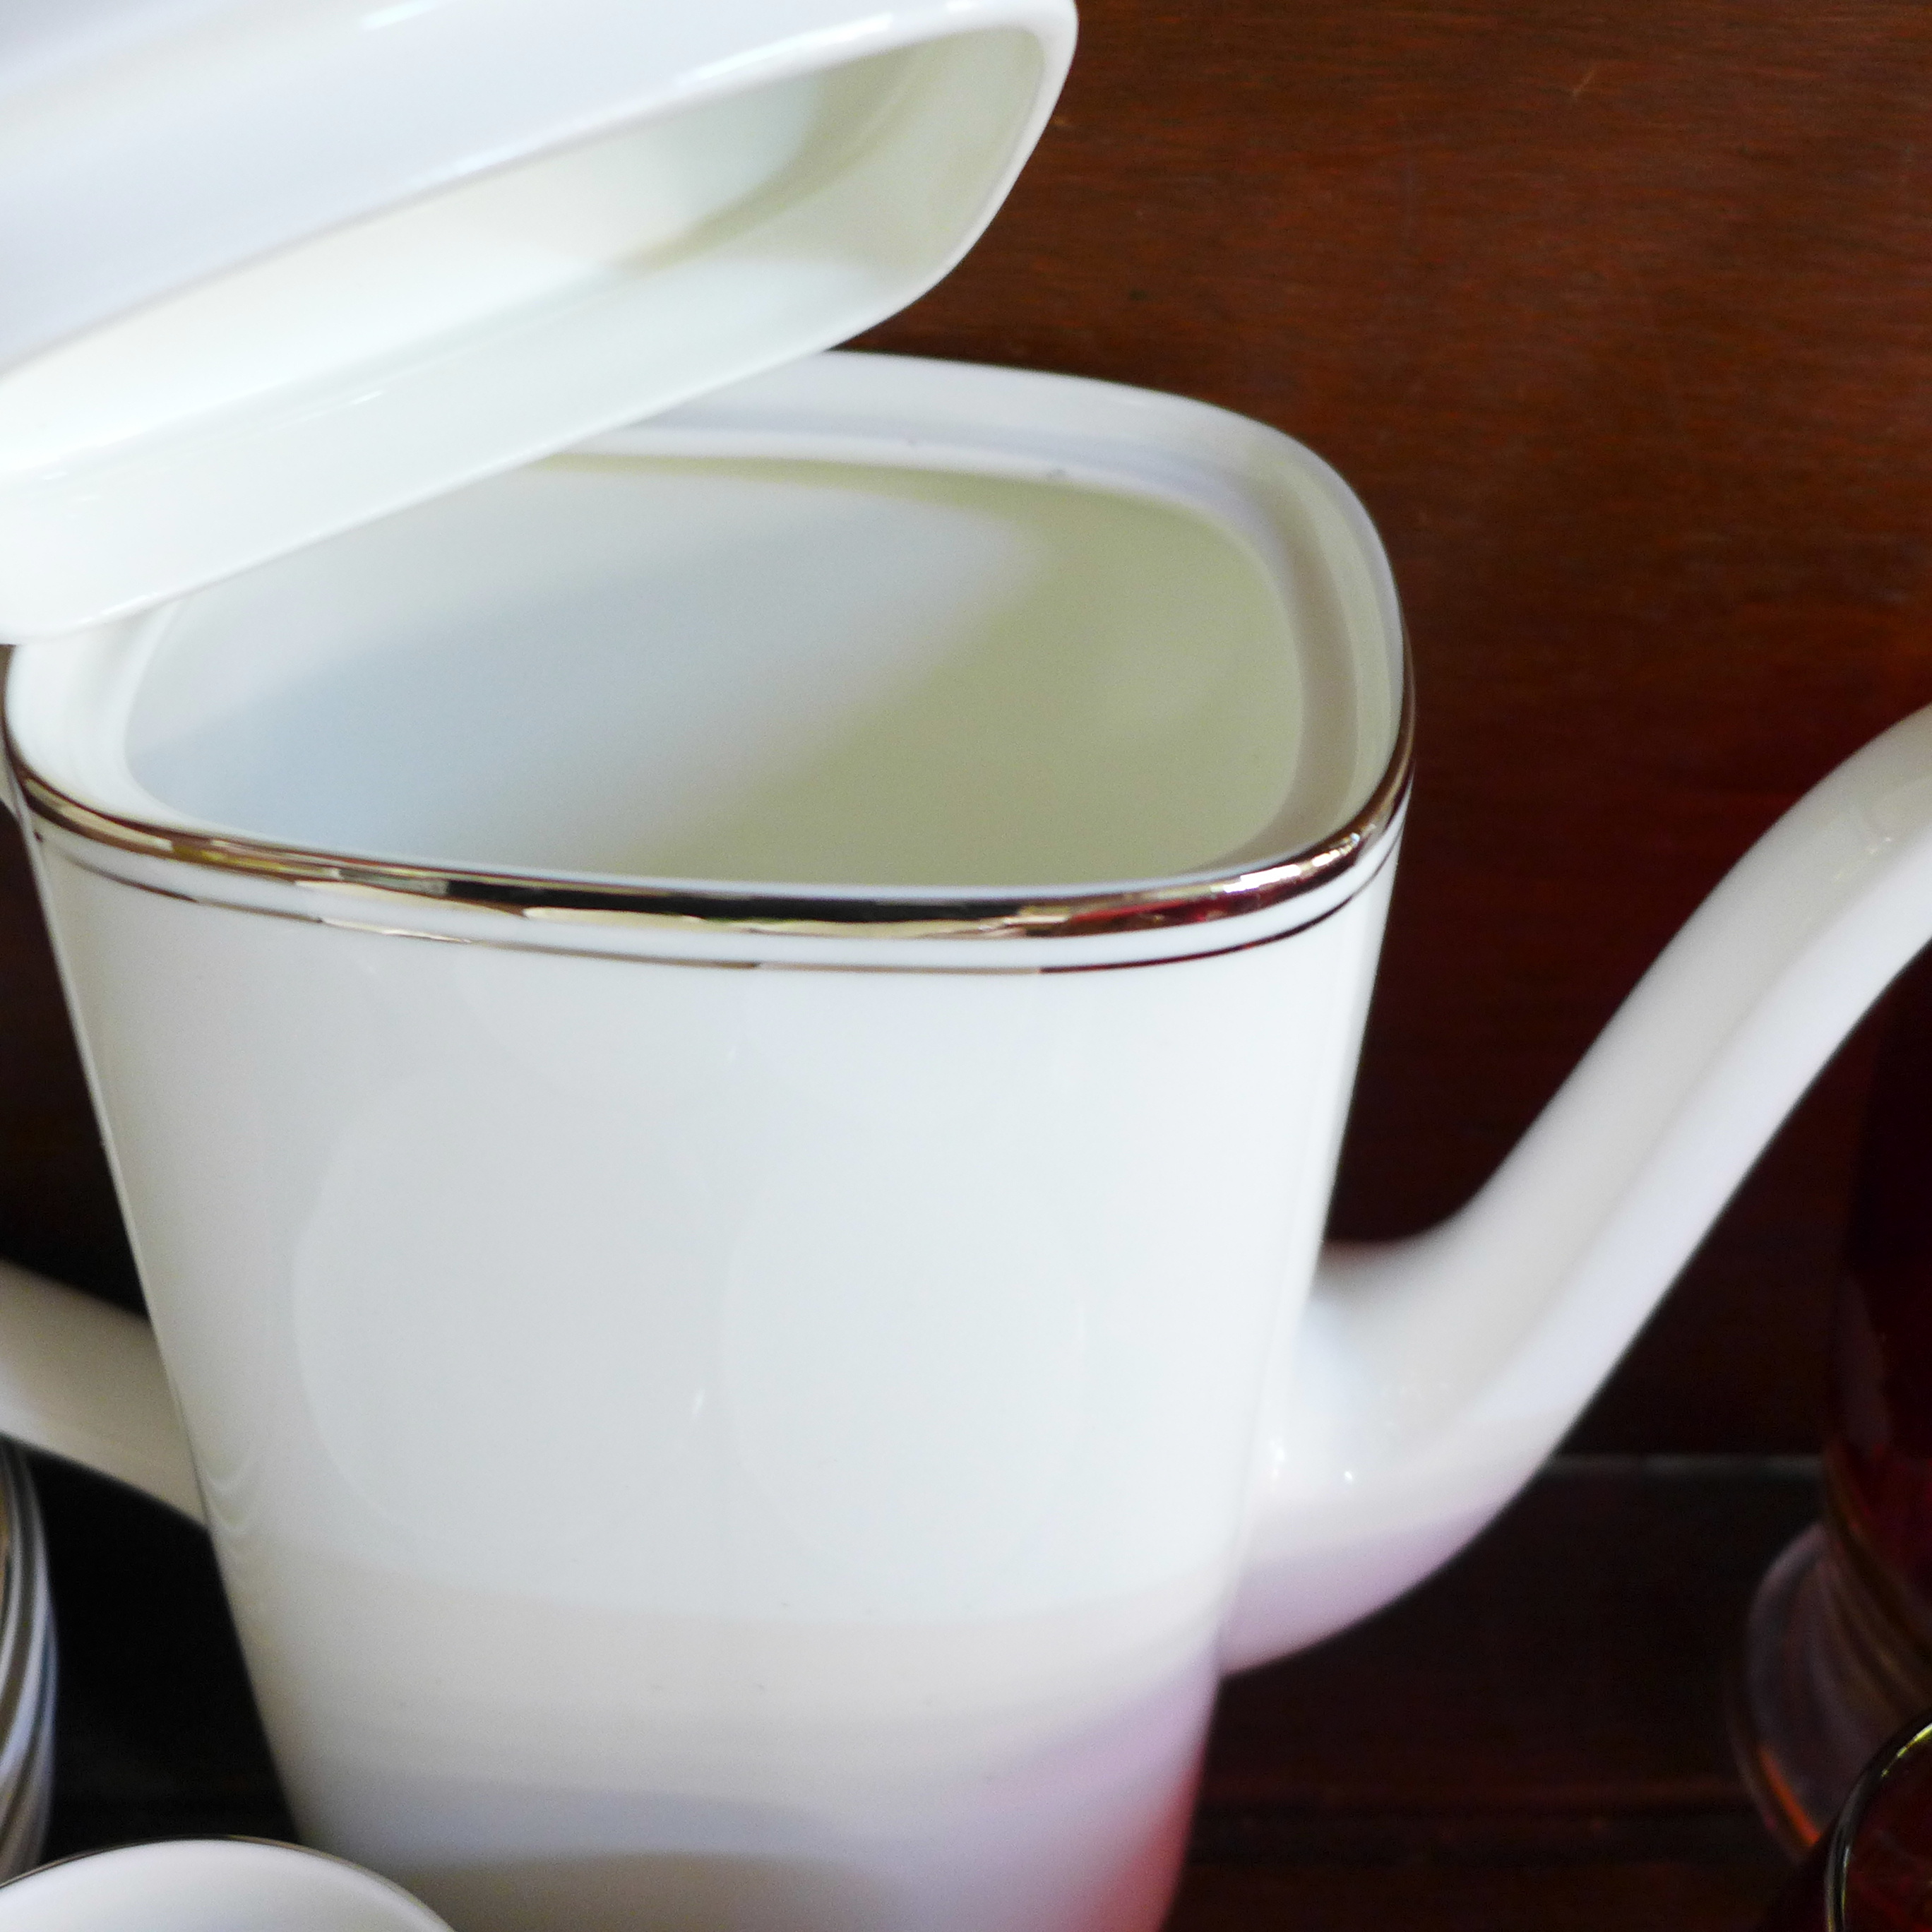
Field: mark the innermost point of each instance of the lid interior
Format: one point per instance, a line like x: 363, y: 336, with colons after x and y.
x: 466, y: 332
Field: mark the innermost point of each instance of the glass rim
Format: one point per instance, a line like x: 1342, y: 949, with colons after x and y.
x: 1909, y: 1739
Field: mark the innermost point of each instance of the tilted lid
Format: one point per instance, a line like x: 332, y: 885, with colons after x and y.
x: 271, y: 269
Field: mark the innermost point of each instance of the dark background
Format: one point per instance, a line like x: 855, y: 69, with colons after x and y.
x: 1617, y: 316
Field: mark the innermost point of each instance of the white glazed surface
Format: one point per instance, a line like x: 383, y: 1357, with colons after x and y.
x: 223, y: 1884
x: 274, y: 271
x: 821, y: 1398
x: 384, y: 638
x: 691, y: 1445
x: 848, y: 709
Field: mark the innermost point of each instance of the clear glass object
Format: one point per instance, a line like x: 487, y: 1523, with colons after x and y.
x: 1872, y: 1872
x: 1838, y: 1645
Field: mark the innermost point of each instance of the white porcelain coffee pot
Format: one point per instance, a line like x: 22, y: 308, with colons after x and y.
x: 724, y: 1051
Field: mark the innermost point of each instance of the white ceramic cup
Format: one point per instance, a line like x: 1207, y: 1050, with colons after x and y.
x: 208, y: 1885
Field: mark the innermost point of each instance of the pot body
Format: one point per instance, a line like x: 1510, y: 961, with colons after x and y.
x: 679, y: 1435
x: 737, y: 1423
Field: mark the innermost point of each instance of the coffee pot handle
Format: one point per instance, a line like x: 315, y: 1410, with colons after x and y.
x: 84, y: 1381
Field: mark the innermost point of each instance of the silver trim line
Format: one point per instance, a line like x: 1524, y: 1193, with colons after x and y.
x: 795, y: 913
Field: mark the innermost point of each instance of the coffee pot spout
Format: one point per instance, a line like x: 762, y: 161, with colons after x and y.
x: 1428, y: 1377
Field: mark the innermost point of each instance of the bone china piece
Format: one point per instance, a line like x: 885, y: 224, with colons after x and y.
x: 786, y: 1446
x: 724, y: 1052
x: 208, y: 1885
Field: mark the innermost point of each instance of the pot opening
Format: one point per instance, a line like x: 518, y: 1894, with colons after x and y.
x: 806, y: 673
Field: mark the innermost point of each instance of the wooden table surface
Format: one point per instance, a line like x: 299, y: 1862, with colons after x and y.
x: 1533, y: 1741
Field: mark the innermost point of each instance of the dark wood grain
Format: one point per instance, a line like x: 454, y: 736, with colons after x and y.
x: 1620, y: 317
x: 1684, y: 1895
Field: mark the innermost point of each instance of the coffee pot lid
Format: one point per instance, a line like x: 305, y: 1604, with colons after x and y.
x: 272, y: 269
